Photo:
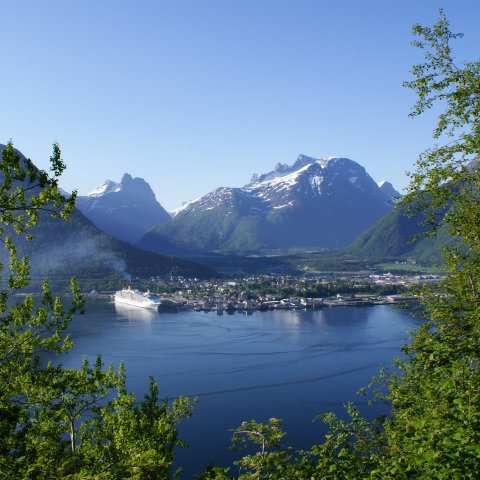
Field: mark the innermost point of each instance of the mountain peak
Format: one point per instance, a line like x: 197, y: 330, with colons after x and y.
x: 126, y: 178
x: 107, y: 186
x: 313, y: 203
x: 312, y: 169
x: 389, y: 190
x: 125, y: 210
x: 301, y: 161
x: 280, y: 167
x: 304, y: 158
x: 137, y: 186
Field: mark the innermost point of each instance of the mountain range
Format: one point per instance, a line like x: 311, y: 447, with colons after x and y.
x: 313, y: 203
x: 77, y: 247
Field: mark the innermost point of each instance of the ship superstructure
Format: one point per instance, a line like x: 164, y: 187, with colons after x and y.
x: 137, y: 298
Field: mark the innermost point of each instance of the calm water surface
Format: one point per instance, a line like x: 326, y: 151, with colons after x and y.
x: 286, y: 364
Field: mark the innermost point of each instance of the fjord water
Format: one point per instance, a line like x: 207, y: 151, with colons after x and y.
x: 291, y: 365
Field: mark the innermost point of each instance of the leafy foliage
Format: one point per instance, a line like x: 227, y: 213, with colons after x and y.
x: 60, y: 422
x: 433, y: 430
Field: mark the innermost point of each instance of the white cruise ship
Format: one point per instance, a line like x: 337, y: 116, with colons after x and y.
x: 137, y: 298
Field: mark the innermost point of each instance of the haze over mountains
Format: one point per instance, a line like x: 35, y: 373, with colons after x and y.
x: 125, y: 210
x: 77, y: 247
x: 314, y: 203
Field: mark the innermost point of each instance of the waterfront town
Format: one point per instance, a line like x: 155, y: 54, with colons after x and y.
x: 269, y: 292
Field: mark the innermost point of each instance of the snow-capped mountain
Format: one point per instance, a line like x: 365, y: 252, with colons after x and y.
x: 105, y: 187
x: 125, y: 210
x: 310, y: 178
x: 314, y: 203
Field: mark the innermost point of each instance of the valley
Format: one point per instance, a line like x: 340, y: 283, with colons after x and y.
x: 316, y: 216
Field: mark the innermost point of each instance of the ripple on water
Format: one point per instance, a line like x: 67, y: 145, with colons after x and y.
x: 286, y: 364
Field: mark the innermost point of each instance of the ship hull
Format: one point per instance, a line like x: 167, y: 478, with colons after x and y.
x: 128, y: 298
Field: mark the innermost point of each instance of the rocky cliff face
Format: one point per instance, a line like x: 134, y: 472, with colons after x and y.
x: 125, y: 210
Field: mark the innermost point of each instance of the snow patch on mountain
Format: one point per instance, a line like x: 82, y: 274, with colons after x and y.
x: 184, y: 206
x: 289, y: 185
x: 316, y: 183
x: 315, y: 202
x: 108, y: 186
x: 278, y: 178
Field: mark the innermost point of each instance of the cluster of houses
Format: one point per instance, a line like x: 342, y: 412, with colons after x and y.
x: 271, y: 292
x: 269, y: 302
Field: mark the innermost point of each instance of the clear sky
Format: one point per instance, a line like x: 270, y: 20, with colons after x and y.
x: 196, y: 94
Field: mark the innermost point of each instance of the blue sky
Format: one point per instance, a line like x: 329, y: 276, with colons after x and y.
x: 193, y: 95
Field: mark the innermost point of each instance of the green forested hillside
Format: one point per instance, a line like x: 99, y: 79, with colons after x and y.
x: 78, y: 248
x: 392, y: 237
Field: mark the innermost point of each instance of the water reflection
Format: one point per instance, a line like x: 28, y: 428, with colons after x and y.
x: 335, y: 316
x: 135, y: 314
x: 290, y: 364
x: 292, y: 317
